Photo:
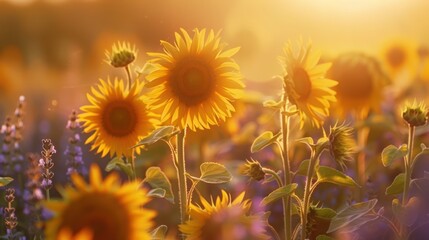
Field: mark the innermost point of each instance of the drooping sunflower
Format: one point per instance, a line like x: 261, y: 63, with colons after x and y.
x: 360, y: 84
x: 223, y: 219
x: 117, y: 116
x: 306, y: 85
x: 194, y: 80
x: 106, y: 208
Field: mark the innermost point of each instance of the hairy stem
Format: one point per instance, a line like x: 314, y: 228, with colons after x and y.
x: 285, y: 120
x: 408, y: 163
x: 308, y: 190
x: 360, y: 167
x: 181, y: 175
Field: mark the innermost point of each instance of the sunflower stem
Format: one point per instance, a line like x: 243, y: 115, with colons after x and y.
x: 308, y: 190
x: 133, y: 165
x: 285, y: 120
x: 181, y: 175
x: 360, y: 167
x: 407, y: 180
x: 127, y: 69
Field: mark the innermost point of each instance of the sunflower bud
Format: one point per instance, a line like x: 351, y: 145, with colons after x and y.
x: 252, y: 169
x: 122, y: 55
x: 415, y: 114
x: 341, y: 143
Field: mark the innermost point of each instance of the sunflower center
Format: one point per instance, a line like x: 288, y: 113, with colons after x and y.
x: 119, y: 118
x: 396, y: 57
x: 192, y: 81
x: 101, y: 213
x: 302, y: 83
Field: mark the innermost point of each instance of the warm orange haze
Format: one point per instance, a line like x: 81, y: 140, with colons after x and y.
x: 199, y: 120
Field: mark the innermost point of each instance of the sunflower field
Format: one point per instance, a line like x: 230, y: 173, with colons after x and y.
x: 214, y: 120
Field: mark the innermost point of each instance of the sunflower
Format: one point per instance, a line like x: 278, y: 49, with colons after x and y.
x: 223, y: 219
x: 122, y: 55
x: 399, y: 57
x: 66, y: 234
x: 306, y: 85
x: 118, y: 117
x: 194, y: 81
x: 106, y: 208
x: 360, y: 84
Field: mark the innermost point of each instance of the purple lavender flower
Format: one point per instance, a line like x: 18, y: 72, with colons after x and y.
x: 73, y: 150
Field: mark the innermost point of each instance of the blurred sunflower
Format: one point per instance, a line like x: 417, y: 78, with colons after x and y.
x: 117, y: 116
x: 65, y: 234
x: 400, y: 56
x: 224, y: 219
x: 195, y: 80
x: 105, y: 208
x: 306, y: 84
x: 360, y: 84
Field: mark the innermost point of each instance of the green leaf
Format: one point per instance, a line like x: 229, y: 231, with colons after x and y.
x: 265, y: 139
x: 156, y: 178
x: 279, y: 193
x: 165, y: 132
x: 5, y: 181
x: 324, y: 237
x: 326, y: 213
x: 347, y: 217
x: 157, y: 192
x: 421, y: 154
x: 306, y: 140
x: 214, y: 173
x: 397, y: 185
x: 391, y: 153
x: 159, y: 233
x: 303, y: 166
x: 118, y: 163
x: 358, y: 222
x: 331, y: 175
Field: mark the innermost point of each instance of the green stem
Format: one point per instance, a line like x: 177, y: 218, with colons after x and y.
x: 191, y: 191
x: 287, y: 215
x: 308, y: 190
x: 127, y: 69
x: 360, y: 162
x: 133, y: 165
x: 181, y: 175
x: 408, y: 163
x: 274, y: 174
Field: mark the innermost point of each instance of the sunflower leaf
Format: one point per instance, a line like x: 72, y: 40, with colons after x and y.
x: 331, y: 175
x: 214, y: 173
x: 353, y: 216
x: 303, y: 167
x: 397, y: 185
x: 263, y: 140
x: 324, y: 237
x: 159, y: 233
x: 157, y: 179
x: 391, y: 153
x: 279, y: 193
x: 5, y: 181
x: 165, y: 132
x: 157, y: 192
x: 118, y: 163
